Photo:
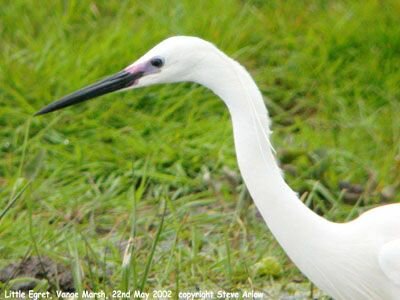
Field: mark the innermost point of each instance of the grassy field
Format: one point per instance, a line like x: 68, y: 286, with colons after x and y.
x: 141, y: 190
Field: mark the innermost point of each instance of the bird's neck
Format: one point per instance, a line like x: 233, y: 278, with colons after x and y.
x: 292, y: 223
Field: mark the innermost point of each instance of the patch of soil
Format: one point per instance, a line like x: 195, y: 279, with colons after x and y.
x: 39, y: 268
x: 351, y: 192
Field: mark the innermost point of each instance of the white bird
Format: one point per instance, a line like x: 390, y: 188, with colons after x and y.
x: 355, y: 260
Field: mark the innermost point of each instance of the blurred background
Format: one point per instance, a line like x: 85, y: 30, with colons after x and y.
x: 141, y: 190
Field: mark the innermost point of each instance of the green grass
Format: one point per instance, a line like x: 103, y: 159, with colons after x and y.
x: 98, y: 174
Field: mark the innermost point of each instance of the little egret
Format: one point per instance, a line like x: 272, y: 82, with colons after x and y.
x: 355, y: 260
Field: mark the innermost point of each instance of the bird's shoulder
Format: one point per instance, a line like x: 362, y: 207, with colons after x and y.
x: 382, y: 223
x: 382, y: 214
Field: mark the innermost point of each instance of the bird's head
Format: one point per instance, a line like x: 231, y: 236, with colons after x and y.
x: 175, y: 59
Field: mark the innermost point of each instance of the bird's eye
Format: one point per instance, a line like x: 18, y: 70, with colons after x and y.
x: 157, y: 62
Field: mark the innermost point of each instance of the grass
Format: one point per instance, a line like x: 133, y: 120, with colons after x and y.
x: 76, y: 185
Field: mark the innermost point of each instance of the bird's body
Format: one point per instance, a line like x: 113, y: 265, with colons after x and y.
x: 355, y: 260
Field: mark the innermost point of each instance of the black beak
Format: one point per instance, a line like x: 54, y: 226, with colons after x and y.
x: 110, y: 84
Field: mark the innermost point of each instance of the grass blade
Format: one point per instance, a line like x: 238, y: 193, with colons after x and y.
x: 153, y: 248
x: 13, y: 200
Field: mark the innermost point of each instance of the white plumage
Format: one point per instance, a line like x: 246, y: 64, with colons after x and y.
x: 355, y: 260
